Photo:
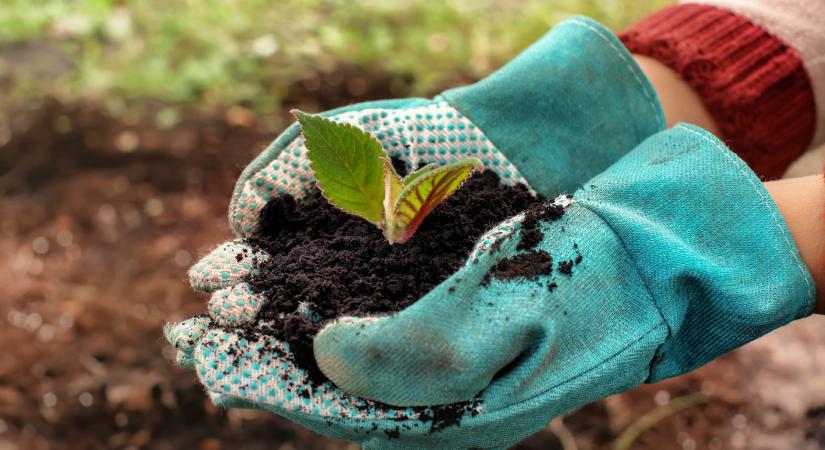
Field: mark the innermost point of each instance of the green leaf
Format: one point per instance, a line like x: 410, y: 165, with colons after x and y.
x: 423, y: 194
x: 347, y: 165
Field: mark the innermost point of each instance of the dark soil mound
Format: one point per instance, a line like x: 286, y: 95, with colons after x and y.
x: 341, y: 265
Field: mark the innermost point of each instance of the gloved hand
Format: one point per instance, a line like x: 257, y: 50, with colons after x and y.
x: 562, y: 111
x: 673, y: 256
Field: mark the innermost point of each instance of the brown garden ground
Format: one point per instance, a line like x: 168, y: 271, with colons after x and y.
x: 99, y: 221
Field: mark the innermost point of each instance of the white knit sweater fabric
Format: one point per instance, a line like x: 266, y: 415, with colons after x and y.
x: 801, y: 25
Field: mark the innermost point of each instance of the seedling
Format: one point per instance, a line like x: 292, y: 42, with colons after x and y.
x: 355, y: 174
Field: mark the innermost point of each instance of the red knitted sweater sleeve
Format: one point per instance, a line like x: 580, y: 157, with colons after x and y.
x: 752, y: 83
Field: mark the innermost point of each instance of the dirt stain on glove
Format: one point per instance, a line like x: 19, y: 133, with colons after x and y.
x: 534, y: 263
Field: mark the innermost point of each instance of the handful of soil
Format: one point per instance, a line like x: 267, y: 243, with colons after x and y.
x: 340, y: 265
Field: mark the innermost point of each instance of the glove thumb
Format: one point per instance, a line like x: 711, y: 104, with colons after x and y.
x: 437, y: 351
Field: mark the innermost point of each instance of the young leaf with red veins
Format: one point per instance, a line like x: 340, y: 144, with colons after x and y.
x: 422, y: 194
x: 393, y: 185
x: 354, y: 173
x: 347, y: 165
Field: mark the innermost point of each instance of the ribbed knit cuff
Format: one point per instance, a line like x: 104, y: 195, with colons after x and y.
x: 753, y: 85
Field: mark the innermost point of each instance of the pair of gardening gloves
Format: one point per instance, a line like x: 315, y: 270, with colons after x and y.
x: 668, y: 253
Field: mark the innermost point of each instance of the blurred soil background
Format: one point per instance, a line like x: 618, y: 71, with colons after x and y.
x: 123, y: 125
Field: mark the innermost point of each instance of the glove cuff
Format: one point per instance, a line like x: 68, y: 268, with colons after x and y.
x: 543, y: 109
x: 715, y: 254
x: 753, y: 84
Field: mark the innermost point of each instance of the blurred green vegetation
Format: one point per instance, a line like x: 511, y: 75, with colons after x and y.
x: 214, y: 53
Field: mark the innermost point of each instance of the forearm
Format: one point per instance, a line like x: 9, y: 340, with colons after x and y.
x: 801, y: 201
x: 680, y: 102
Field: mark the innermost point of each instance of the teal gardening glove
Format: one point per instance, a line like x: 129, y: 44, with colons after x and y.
x: 673, y: 256
x: 547, y: 119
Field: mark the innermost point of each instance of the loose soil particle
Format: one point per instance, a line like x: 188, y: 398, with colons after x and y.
x: 523, y: 265
x: 533, y: 263
x: 566, y: 267
x: 531, y: 235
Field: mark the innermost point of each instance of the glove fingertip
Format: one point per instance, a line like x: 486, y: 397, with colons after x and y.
x: 184, y: 336
x: 267, y: 177
x: 235, y: 305
x: 245, y: 209
x: 225, y: 266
